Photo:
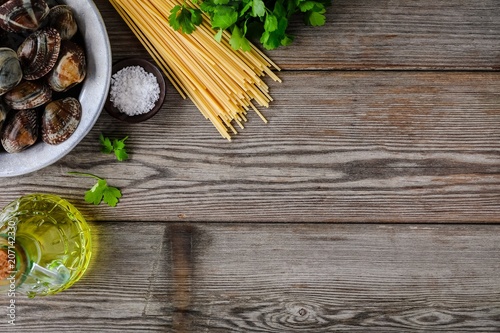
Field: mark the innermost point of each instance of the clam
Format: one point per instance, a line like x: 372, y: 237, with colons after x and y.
x: 39, y: 52
x: 60, y: 120
x: 70, y: 68
x: 3, y: 113
x: 28, y: 95
x: 62, y: 19
x: 22, y: 15
x: 20, y: 131
x: 10, y: 70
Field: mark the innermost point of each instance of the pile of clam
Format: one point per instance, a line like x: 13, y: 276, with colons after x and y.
x: 46, y: 63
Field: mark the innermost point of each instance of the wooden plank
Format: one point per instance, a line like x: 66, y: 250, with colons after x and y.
x: 111, y: 295
x: 279, y: 278
x: 349, y: 146
x: 307, y: 278
x: 375, y: 34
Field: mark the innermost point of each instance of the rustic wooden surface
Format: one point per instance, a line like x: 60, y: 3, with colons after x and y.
x: 270, y: 278
x: 342, y: 144
x: 369, y: 202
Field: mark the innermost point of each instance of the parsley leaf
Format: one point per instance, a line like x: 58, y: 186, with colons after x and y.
x: 196, y: 16
x: 117, y: 146
x: 271, y: 23
x: 107, y: 146
x: 111, y: 195
x: 258, y: 8
x: 95, y: 194
x: 218, y: 35
x: 224, y: 17
x: 101, y: 191
x: 315, y: 18
x: 209, y: 6
x: 238, y: 40
x: 184, y: 18
x: 273, y: 39
x: 306, y: 5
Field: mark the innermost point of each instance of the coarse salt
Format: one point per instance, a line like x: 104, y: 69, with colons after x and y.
x: 134, y: 91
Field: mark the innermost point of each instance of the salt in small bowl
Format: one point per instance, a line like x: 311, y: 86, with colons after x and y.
x: 149, y: 68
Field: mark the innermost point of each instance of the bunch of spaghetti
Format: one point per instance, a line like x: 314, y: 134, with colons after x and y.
x: 221, y: 82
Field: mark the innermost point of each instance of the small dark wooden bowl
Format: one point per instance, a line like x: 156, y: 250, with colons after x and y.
x: 148, y: 67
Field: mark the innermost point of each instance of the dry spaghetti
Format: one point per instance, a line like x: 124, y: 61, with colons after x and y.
x: 221, y: 82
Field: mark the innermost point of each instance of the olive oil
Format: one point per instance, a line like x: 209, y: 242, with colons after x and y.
x: 52, y: 237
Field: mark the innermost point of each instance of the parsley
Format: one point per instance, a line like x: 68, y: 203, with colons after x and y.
x: 117, y: 146
x: 266, y: 20
x: 184, y: 18
x: 238, y: 40
x: 101, y: 191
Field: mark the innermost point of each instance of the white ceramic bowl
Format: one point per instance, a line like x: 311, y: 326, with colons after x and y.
x: 92, y: 96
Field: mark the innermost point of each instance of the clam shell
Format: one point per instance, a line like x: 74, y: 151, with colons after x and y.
x: 39, y: 52
x: 10, y: 70
x: 20, y: 131
x: 70, y: 68
x: 28, y: 95
x: 60, y: 120
x: 3, y: 113
x: 62, y: 19
x: 22, y: 15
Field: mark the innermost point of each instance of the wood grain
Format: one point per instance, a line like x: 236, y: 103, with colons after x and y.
x: 346, y: 147
x: 376, y: 34
x: 279, y: 278
x: 416, y: 141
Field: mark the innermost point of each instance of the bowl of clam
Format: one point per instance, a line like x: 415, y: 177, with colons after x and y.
x: 55, y: 70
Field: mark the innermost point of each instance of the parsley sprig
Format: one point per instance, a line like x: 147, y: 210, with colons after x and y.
x: 185, y: 18
x: 101, y: 191
x: 266, y: 20
x: 116, y: 146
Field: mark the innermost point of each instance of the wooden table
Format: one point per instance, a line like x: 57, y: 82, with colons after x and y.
x: 369, y: 202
